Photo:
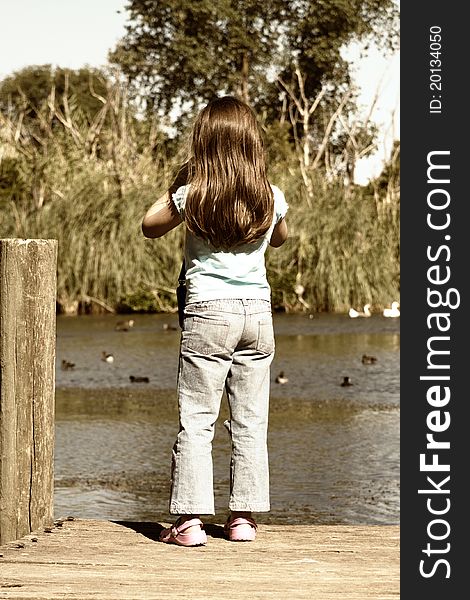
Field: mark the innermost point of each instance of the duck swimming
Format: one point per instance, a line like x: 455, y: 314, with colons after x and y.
x: 109, y: 358
x: 281, y: 378
x: 66, y: 365
x: 346, y: 382
x: 124, y: 325
x: 353, y: 313
x: 368, y: 360
x: 392, y: 312
x: 134, y: 379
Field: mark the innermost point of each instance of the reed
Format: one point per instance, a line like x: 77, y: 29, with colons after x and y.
x: 344, y: 251
x: 89, y: 184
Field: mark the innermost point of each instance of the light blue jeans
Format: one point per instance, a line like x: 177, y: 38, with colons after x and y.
x: 225, y: 344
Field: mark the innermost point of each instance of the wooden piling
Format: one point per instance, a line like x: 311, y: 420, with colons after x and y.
x: 27, y: 382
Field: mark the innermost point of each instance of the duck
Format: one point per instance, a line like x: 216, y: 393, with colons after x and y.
x: 134, y: 379
x: 281, y: 378
x: 367, y: 359
x: 168, y: 327
x: 109, y: 358
x: 124, y: 325
x: 346, y: 382
x: 67, y: 365
x: 392, y: 312
x: 353, y: 313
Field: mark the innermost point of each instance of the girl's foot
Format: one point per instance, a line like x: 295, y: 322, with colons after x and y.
x: 187, y: 531
x: 240, y: 527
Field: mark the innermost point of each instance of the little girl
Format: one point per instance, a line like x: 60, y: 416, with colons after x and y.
x: 231, y: 214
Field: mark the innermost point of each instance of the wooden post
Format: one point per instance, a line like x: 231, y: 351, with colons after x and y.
x: 27, y: 385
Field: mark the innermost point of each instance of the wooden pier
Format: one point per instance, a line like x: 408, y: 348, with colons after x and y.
x: 104, y: 560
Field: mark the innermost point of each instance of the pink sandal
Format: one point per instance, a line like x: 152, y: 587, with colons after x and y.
x: 240, y: 529
x: 176, y: 534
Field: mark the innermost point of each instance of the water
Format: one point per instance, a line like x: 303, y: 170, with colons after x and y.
x: 334, y: 451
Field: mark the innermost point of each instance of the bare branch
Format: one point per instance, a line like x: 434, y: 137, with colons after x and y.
x: 292, y: 96
x: 102, y: 99
x: 301, y: 83
x: 328, y: 129
x: 316, y: 102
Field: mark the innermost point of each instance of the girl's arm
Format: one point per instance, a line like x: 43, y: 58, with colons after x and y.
x: 279, y: 235
x: 162, y: 216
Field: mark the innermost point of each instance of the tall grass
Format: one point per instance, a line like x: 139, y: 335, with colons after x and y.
x: 89, y: 184
x: 342, y: 252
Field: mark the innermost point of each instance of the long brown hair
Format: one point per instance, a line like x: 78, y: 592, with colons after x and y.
x: 230, y: 201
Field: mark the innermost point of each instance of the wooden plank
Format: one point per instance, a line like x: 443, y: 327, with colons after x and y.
x: 41, y: 295
x: 23, y: 383
x: 8, y: 425
x: 27, y: 375
x: 103, y: 560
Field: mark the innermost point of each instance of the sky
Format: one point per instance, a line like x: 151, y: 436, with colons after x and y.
x: 74, y: 33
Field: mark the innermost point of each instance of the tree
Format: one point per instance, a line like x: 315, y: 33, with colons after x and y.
x: 179, y: 51
x: 317, y: 31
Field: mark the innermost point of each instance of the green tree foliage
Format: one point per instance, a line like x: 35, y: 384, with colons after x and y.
x: 189, y: 50
x: 318, y: 30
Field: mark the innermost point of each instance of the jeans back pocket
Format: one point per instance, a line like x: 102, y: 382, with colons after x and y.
x: 205, y: 335
x: 265, y: 342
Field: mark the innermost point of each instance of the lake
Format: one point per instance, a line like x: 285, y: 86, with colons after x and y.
x: 334, y: 451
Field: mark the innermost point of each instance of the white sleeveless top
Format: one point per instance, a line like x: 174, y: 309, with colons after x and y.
x: 214, y: 274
